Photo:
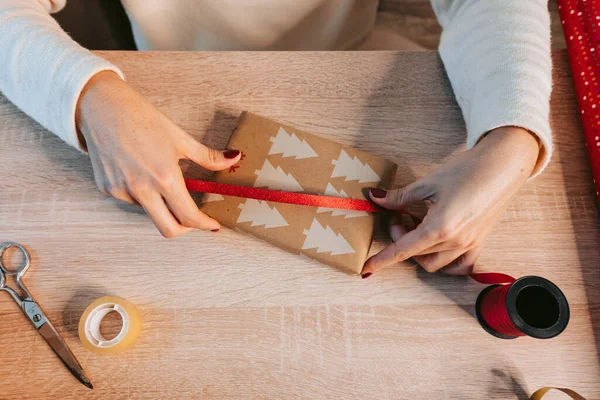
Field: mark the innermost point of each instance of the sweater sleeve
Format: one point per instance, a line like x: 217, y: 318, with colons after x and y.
x: 42, y: 70
x: 497, y: 56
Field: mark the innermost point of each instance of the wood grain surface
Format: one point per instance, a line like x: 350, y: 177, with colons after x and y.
x: 228, y: 316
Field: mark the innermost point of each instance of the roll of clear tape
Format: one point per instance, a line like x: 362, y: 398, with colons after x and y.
x: 89, y: 325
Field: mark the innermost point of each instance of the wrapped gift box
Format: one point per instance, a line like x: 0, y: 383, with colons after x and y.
x: 280, y: 157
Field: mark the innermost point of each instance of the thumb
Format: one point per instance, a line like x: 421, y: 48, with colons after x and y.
x: 212, y: 159
x: 399, y: 199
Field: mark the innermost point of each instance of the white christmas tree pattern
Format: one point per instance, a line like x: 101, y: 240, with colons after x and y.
x: 276, y: 179
x: 325, y: 240
x: 331, y: 191
x: 353, y: 169
x: 259, y: 213
x: 290, y: 145
x: 208, y: 197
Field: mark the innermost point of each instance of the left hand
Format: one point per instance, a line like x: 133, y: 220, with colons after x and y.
x: 135, y: 151
x: 467, y: 196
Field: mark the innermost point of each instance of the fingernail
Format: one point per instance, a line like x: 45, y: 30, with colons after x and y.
x: 214, y: 230
x: 229, y: 154
x: 365, y: 276
x: 378, y: 193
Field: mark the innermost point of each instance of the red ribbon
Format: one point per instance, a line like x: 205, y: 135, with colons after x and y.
x: 493, y: 305
x: 492, y: 278
x: 495, y: 314
x: 277, y: 196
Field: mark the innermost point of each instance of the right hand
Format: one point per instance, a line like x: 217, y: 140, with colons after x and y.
x: 466, y: 195
x: 135, y: 151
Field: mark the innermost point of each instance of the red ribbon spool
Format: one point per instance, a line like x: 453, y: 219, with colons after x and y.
x: 529, y: 306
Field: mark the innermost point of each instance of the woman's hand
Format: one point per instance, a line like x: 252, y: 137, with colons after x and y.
x: 135, y: 151
x: 466, y: 196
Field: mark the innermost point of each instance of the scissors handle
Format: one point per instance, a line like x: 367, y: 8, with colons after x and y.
x: 27, y: 303
x: 17, y: 272
x: 20, y: 269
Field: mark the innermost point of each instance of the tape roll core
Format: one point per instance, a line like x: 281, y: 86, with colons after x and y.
x: 92, y: 325
x: 89, y: 325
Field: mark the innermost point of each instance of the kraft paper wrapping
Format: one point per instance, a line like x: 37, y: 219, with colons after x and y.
x: 280, y: 157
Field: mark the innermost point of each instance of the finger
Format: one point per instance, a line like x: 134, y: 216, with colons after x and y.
x: 396, y: 229
x: 99, y: 176
x: 410, y: 244
x: 449, y: 245
x: 185, y: 209
x: 464, y: 264
x: 123, y: 195
x: 211, y: 159
x: 436, y: 261
x: 459, y: 240
x: 100, y: 185
x: 164, y: 220
x: 399, y: 199
x: 462, y: 241
x: 416, y: 220
x: 429, y: 262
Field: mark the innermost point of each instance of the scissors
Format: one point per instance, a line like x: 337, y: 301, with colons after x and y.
x: 34, y: 313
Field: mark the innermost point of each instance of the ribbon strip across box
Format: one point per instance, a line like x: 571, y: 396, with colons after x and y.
x: 280, y: 157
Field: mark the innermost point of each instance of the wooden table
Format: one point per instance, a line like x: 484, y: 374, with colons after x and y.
x: 227, y: 316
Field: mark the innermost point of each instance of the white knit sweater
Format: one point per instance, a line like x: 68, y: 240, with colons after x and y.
x: 496, y: 52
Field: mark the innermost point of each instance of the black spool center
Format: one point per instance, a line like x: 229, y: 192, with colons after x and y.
x: 537, y: 307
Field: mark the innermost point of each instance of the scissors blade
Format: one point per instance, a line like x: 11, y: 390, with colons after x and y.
x: 64, y: 353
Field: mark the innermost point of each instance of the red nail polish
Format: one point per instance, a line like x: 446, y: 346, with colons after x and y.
x: 378, y: 193
x: 214, y: 230
x: 229, y: 154
x: 365, y: 276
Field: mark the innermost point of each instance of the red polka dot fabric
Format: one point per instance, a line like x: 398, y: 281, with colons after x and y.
x: 581, y: 24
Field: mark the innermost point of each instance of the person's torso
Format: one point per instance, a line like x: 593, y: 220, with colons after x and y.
x: 250, y: 24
